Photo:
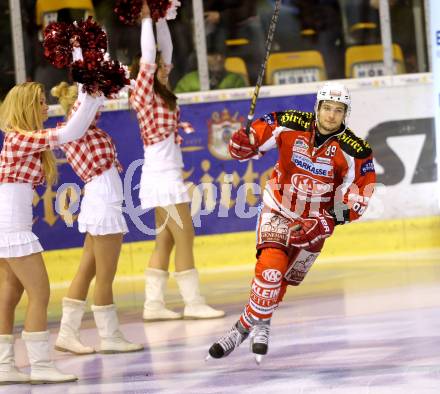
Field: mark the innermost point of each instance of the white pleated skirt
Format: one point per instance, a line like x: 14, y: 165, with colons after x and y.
x: 16, y: 236
x: 162, y: 180
x: 101, y: 206
x: 162, y: 189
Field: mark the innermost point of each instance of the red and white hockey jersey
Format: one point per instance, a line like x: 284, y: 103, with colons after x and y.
x: 337, y: 177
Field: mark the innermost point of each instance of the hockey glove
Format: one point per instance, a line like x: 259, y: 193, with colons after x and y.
x: 305, y: 233
x: 243, y: 146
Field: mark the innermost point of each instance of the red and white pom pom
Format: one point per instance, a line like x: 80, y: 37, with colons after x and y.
x: 56, y: 43
x: 92, y: 38
x: 172, y: 9
x: 58, y: 47
x: 106, y: 76
x: 128, y: 11
x: 159, y: 8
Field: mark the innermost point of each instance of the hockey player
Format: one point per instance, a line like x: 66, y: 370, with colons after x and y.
x: 324, y: 177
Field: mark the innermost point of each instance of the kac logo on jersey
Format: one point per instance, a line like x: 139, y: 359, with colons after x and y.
x: 306, y: 185
x: 272, y: 275
x: 368, y: 166
x: 220, y: 129
x: 308, y: 165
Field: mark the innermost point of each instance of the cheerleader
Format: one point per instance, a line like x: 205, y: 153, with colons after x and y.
x: 26, y: 161
x: 93, y: 158
x: 162, y: 186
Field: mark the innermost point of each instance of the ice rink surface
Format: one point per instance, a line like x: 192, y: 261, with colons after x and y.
x: 360, y: 327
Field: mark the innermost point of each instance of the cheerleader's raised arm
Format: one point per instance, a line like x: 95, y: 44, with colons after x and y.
x: 82, y: 117
x: 148, y: 44
x: 164, y: 42
x: 80, y: 121
x: 142, y: 94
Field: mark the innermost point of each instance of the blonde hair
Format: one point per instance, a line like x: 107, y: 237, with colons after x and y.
x: 21, y: 112
x: 66, y: 95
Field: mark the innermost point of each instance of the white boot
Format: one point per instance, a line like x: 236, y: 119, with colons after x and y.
x: 112, y: 340
x: 9, y: 374
x: 68, y: 337
x: 154, y: 307
x: 43, y: 369
x: 195, y: 306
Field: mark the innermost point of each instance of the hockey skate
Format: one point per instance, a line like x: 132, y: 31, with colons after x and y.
x: 259, y: 340
x: 229, y: 342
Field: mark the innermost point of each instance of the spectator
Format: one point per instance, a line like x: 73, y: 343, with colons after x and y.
x: 287, y: 34
x: 323, y: 19
x: 226, y: 19
x: 219, y: 77
x: 363, y: 23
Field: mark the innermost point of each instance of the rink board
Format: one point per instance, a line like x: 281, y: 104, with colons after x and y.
x: 365, y: 239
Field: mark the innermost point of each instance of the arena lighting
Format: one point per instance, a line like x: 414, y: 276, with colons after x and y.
x: 434, y: 10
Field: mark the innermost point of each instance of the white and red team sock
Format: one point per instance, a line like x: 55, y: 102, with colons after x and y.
x: 267, y: 287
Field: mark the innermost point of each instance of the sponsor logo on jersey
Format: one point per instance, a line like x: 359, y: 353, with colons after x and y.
x: 273, y: 228
x: 264, y: 293
x: 367, y: 166
x: 220, y: 129
x: 269, y: 119
x: 298, y: 270
x: 272, y: 275
x: 304, y: 184
x: 263, y: 296
x: 324, y: 160
x: 300, y: 146
x: 354, y: 143
x: 308, y: 165
x: 296, y: 117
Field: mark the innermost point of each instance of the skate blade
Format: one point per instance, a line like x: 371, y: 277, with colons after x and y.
x: 258, y: 358
x: 208, y: 357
